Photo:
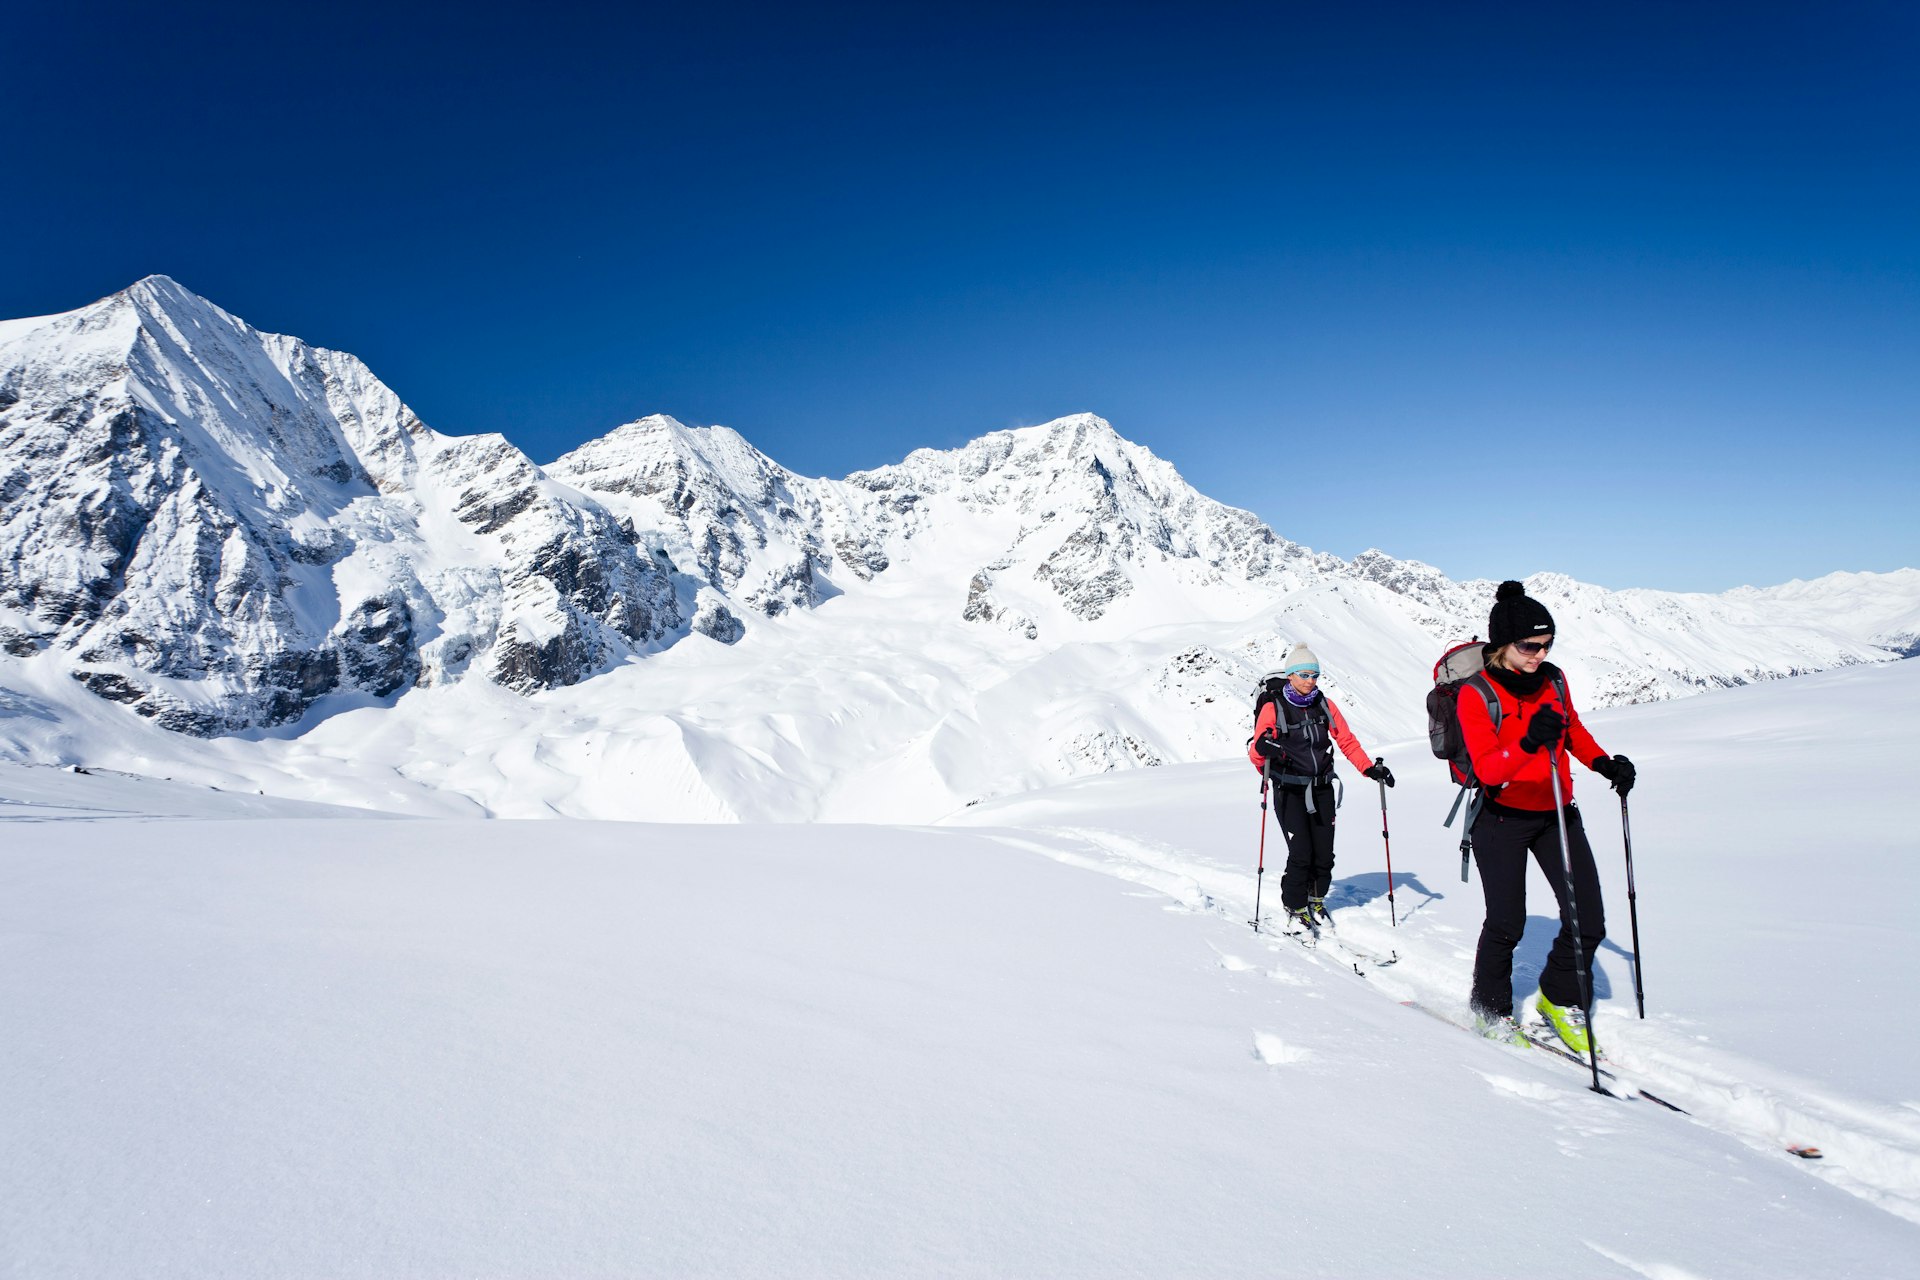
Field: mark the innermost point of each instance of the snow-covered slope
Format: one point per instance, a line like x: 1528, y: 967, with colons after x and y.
x: 1774, y: 913
x: 229, y: 531
x: 1039, y: 1042
x: 1882, y: 607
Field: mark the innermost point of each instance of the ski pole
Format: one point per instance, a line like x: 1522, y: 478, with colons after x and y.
x: 1260, y: 872
x: 1393, y: 912
x: 1573, y: 921
x: 1633, y: 909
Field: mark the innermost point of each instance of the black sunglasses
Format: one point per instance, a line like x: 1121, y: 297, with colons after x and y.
x: 1533, y: 646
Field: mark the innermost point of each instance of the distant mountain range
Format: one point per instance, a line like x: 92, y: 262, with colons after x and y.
x: 220, y: 529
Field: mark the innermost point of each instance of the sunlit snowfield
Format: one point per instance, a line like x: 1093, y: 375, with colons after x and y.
x: 249, y: 1037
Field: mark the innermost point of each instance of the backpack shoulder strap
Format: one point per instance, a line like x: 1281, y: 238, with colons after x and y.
x: 1260, y: 708
x: 1479, y: 681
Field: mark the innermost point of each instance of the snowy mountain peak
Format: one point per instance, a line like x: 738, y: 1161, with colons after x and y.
x: 1075, y: 439
x: 660, y: 454
x: 158, y: 294
x: 110, y: 326
x: 1098, y: 516
x: 1023, y: 456
x: 747, y: 534
x: 219, y: 527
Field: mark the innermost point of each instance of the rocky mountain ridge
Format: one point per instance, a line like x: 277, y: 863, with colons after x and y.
x: 219, y: 527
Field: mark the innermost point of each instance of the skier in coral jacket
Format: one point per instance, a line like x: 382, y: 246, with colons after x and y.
x: 1293, y: 740
x: 1517, y: 817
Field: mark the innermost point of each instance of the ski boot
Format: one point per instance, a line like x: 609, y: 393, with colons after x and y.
x: 1569, y: 1022
x: 1301, y: 918
x: 1499, y: 1027
x: 1318, y: 906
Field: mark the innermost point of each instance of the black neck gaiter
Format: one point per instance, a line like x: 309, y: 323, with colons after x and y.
x: 1516, y: 683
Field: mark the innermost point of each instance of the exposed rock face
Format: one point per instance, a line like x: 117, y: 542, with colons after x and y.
x: 982, y: 607
x: 730, y: 517
x: 377, y: 647
x: 713, y: 619
x: 1421, y: 583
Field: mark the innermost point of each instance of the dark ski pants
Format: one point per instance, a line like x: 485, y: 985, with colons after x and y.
x: 1502, y: 838
x: 1309, y: 843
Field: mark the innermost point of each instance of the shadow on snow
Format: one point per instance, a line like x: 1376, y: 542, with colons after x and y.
x: 1409, y: 895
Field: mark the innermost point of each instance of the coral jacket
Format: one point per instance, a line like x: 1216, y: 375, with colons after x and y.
x: 1498, y: 760
x: 1342, y: 736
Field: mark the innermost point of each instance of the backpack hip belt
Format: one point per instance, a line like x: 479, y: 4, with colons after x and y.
x: 1310, y: 784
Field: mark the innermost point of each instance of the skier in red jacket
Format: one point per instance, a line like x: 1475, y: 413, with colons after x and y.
x: 1537, y: 722
x: 1293, y: 740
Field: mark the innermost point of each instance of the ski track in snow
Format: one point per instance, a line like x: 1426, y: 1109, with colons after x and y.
x: 1651, y: 1270
x: 1530, y: 1090
x: 1869, y: 1151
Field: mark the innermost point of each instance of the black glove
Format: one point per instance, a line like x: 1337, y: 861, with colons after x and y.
x: 1379, y: 772
x: 1544, y: 729
x: 1619, y: 771
x: 1275, y: 753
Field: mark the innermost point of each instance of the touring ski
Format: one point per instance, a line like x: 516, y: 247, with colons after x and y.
x: 1320, y: 939
x: 1536, y: 1040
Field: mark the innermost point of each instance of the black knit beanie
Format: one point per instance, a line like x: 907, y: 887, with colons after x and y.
x: 1516, y: 616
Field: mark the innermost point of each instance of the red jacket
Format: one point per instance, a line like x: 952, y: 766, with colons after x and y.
x: 1499, y: 761
x: 1336, y: 725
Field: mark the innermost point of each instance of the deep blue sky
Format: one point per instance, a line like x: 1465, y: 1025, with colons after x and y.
x: 1630, y: 291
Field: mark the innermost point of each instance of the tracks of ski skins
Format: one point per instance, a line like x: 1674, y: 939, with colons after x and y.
x: 1870, y: 1151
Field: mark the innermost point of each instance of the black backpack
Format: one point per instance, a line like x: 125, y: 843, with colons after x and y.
x: 1268, y: 690
x: 1461, y: 665
x: 1310, y: 728
x: 1464, y: 667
